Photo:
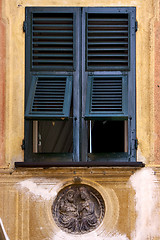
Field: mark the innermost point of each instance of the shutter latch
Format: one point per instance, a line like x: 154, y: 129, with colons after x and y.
x: 23, y: 144
x: 136, y: 26
x: 24, y: 26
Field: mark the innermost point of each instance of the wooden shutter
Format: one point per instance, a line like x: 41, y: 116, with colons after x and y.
x: 50, y: 96
x: 110, y: 62
x: 107, y: 41
x: 107, y: 97
x: 52, y: 41
x: 50, y: 53
x: 110, y: 43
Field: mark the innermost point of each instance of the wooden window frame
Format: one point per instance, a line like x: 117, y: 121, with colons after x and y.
x: 80, y: 77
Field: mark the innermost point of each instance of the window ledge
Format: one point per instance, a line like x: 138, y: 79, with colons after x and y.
x: 78, y: 164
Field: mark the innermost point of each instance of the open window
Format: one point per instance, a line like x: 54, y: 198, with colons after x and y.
x: 80, y: 84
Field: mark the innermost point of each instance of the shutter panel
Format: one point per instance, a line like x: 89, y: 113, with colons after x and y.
x: 52, y: 41
x: 50, y: 51
x: 107, y: 41
x: 107, y: 97
x: 50, y: 96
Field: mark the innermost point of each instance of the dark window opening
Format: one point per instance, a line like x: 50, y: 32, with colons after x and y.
x: 107, y: 136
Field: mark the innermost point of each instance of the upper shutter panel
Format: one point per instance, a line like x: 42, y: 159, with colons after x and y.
x: 49, y: 97
x: 52, y: 41
x: 107, y: 41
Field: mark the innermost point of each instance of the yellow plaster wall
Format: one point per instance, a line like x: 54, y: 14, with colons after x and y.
x: 14, y: 15
x: 25, y: 207
x: 132, y: 209
x: 27, y: 216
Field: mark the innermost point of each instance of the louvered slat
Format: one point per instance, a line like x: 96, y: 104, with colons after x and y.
x: 106, y: 96
x: 114, y: 86
x: 52, y: 41
x: 107, y: 35
x: 50, y: 96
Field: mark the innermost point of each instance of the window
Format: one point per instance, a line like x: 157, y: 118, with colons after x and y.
x: 80, y: 84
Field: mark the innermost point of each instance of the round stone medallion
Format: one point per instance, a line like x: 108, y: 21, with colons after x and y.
x: 78, y: 209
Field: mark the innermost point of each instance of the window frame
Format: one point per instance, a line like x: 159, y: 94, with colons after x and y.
x: 80, y: 76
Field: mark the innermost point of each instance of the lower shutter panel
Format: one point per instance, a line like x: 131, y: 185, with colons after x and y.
x: 50, y: 97
x: 106, y: 97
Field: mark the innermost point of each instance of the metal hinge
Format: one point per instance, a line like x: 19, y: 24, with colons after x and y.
x: 136, y: 26
x: 23, y: 144
x: 24, y: 26
x: 136, y: 143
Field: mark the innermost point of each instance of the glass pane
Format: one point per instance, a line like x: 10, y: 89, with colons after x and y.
x: 54, y: 136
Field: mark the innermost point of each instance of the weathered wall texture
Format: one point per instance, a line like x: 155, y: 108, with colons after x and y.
x: 131, y: 200
x: 131, y: 195
x: 2, y: 84
x: 13, y: 17
x: 157, y: 90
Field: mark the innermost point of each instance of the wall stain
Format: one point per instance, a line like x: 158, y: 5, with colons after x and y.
x: 147, y: 226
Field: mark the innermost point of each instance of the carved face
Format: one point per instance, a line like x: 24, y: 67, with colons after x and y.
x: 70, y: 196
x: 83, y: 193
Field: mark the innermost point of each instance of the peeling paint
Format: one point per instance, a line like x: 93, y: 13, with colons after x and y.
x: 93, y: 235
x: 42, y: 190
x: 147, y: 225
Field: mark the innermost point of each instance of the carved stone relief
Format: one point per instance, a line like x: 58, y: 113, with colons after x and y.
x: 78, y: 209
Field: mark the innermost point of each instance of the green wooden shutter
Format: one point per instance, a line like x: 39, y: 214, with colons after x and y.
x: 52, y: 41
x: 108, y: 59
x: 110, y: 63
x: 107, y: 97
x: 50, y: 62
x: 107, y: 41
x: 50, y: 96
